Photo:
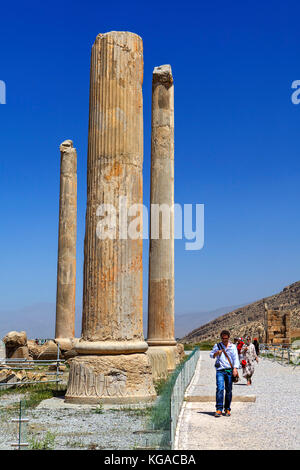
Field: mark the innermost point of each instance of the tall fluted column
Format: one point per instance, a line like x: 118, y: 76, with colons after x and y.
x: 161, y: 255
x: 66, y: 266
x: 112, y: 346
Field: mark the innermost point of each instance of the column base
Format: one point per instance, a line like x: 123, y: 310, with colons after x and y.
x: 159, y: 362
x: 161, y: 342
x: 121, y: 379
x: 109, y: 347
x: 65, y: 344
x: 164, y: 360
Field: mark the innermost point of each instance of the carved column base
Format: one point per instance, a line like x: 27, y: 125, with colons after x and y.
x: 171, y: 360
x: 171, y: 356
x: 126, y: 378
x: 159, y: 362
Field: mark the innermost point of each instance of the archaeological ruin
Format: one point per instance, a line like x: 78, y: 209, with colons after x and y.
x: 111, y: 360
x: 277, y: 326
x: 112, y: 363
x: 161, y: 251
x: 66, y: 264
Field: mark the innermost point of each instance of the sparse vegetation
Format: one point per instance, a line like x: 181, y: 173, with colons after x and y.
x: 145, y: 411
x: 140, y: 411
x: 203, y: 346
x: 160, y: 384
x: 41, y: 392
x: 267, y: 356
x: 47, y: 443
x: 34, y: 394
x: 92, y: 446
x: 74, y: 444
x: 160, y: 414
x: 99, y: 410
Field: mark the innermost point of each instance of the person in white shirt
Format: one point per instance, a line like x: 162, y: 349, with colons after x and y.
x: 227, y: 363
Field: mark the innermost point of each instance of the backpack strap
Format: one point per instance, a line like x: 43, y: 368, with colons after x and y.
x: 223, y: 350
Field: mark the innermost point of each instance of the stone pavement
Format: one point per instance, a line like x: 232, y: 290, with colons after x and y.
x: 269, y: 422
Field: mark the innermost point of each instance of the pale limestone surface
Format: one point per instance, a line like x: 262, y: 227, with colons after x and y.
x: 159, y: 362
x: 16, y: 345
x: 15, y: 339
x: 46, y: 351
x: 66, y: 264
x: 112, y: 366
x: 164, y: 359
x: 125, y: 378
x: 112, y: 293
x: 278, y: 326
x: 161, y: 253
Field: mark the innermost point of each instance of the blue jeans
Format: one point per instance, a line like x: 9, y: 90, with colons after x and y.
x: 224, y: 380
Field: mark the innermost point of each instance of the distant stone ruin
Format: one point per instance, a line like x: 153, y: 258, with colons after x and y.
x: 277, y: 326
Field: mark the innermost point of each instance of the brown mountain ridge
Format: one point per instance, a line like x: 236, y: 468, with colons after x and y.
x: 249, y: 320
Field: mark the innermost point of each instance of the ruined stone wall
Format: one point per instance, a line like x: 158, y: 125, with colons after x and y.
x: 278, y: 327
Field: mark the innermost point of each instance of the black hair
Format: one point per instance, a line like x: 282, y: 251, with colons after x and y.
x: 225, y: 333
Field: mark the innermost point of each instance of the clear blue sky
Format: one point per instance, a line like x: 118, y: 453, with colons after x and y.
x: 237, y: 138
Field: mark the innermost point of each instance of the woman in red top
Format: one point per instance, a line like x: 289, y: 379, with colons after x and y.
x: 240, y: 345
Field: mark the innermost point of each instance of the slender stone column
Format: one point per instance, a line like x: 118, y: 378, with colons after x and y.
x: 112, y: 364
x: 66, y: 266
x: 161, y: 256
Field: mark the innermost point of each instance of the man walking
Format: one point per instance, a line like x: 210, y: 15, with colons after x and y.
x: 227, y: 363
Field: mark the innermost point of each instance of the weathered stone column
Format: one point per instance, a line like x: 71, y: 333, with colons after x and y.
x: 161, y: 255
x: 66, y: 266
x: 112, y: 365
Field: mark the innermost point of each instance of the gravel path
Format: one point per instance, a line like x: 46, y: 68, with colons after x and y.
x: 272, y: 422
x: 6, y: 400
x: 75, y: 428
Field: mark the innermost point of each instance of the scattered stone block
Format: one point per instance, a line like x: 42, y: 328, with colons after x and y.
x: 13, y: 341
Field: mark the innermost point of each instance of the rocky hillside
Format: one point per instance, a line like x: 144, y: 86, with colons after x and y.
x: 250, y: 319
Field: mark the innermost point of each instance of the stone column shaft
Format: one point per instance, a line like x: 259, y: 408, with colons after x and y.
x: 112, y: 364
x: 112, y: 295
x: 161, y: 255
x: 66, y: 266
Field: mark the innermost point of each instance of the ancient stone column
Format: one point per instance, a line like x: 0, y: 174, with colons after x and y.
x: 161, y: 255
x: 112, y: 365
x: 66, y: 266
